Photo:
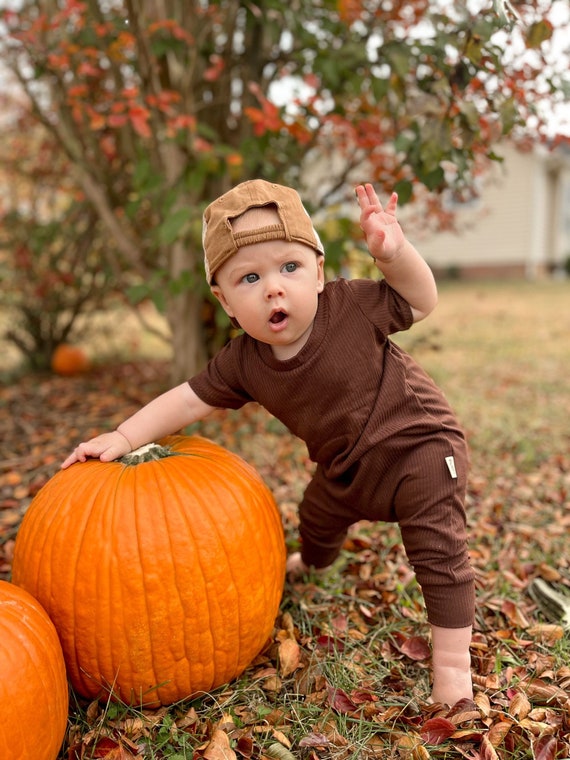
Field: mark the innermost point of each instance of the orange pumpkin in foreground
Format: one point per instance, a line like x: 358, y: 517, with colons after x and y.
x: 163, y: 578
x: 33, y: 684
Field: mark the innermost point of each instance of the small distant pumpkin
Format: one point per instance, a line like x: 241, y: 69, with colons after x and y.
x: 69, y: 360
x: 162, y: 572
x: 34, y: 697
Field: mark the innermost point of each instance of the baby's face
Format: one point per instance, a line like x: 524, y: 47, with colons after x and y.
x: 272, y: 289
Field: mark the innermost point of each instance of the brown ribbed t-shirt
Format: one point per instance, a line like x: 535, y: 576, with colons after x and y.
x: 347, y: 390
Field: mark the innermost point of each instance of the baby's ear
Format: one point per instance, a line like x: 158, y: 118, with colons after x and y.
x: 320, y: 273
x: 219, y: 294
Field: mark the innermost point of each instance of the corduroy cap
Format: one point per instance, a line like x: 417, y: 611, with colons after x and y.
x: 219, y: 239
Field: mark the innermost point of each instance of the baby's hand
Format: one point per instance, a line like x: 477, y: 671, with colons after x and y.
x: 105, y: 447
x: 384, y: 236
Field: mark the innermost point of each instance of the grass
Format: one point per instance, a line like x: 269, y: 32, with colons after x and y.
x: 501, y: 353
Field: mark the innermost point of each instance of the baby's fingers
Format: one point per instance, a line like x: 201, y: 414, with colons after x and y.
x: 371, y: 195
x: 392, y: 204
x: 367, y: 198
x: 82, y: 452
x: 71, y: 459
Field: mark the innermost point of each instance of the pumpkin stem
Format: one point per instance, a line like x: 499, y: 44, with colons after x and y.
x: 150, y: 452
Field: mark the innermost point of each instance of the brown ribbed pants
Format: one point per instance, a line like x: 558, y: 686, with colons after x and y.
x: 409, y: 483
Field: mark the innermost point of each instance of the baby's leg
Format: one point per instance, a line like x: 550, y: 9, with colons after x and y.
x: 324, y: 520
x: 430, y: 509
x: 451, y: 664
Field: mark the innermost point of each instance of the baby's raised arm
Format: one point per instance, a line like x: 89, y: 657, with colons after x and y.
x: 400, y: 263
x: 164, y: 415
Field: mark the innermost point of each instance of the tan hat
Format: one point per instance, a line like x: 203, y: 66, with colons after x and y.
x: 221, y: 241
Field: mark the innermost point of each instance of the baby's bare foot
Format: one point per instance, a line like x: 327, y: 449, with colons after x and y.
x: 451, y: 684
x: 296, y: 568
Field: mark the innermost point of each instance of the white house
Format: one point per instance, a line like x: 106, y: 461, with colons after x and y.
x: 520, y: 225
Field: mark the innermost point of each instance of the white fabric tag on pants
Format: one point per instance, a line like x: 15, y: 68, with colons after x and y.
x: 450, y: 462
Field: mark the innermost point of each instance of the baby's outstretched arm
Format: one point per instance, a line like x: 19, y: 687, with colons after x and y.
x: 162, y: 416
x: 400, y: 263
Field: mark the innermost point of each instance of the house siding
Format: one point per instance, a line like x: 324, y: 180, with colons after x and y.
x: 505, y: 230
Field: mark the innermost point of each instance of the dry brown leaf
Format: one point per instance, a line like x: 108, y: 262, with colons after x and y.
x: 92, y: 712
x: 548, y: 573
x: 483, y: 703
x: 219, y: 747
x: 289, y: 657
x: 416, y: 648
x: 549, y: 633
x: 498, y: 731
x: 463, y: 711
x: 536, y: 728
x: 407, y: 741
x: 272, y: 683
x: 520, y: 705
x: 314, y: 740
x: 288, y: 624
x: 540, y: 690
x: 437, y: 730
x: 281, y: 738
x: 545, y: 748
x: 487, y: 750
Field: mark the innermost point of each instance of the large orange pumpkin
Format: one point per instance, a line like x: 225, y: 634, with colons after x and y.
x: 163, y: 578
x: 33, y: 684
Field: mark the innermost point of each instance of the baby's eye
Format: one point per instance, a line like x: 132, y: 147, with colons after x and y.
x: 251, y: 277
x: 290, y: 266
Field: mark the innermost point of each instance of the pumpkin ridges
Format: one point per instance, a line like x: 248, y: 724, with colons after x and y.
x: 120, y: 654
x: 97, y: 677
x: 220, y: 646
x: 52, y: 681
x: 115, y: 651
x: 207, y: 529
x: 216, y: 647
x: 167, y: 566
x: 49, y: 574
x: 199, y: 576
x: 78, y: 582
x: 256, y: 588
x: 33, y: 682
x: 230, y: 469
x: 272, y: 524
x: 242, y: 654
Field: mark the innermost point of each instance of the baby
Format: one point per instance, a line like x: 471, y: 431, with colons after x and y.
x: 318, y: 356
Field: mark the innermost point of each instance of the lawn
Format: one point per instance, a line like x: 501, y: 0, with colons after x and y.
x: 358, y: 689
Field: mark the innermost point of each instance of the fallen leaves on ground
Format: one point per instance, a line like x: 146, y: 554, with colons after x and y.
x: 348, y: 649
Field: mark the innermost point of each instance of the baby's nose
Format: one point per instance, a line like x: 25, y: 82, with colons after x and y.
x: 273, y: 288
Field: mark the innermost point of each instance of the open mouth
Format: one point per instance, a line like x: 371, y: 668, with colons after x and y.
x: 278, y: 317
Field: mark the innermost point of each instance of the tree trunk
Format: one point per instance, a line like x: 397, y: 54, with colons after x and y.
x: 188, y: 351
x: 184, y: 313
